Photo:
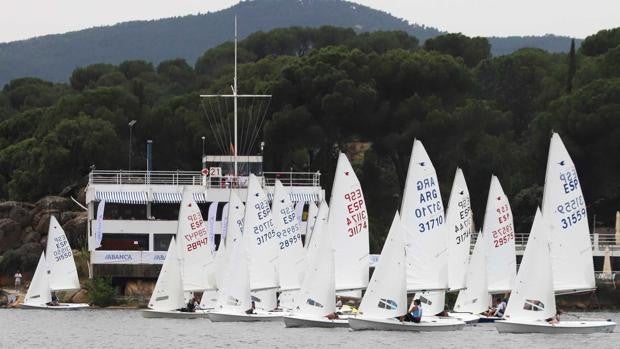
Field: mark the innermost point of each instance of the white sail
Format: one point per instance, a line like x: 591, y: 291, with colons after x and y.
x: 565, y: 208
x: 348, y: 225
x: 433, y: 302
x: 423, y: 218
x: 266, y: 300
x: 475, y: 298
x: 59, y: 258
x: 459, y: 225
x: 234, y: 293
x: 234, y: 227
x: 313, y: 210
x: 209, y: 299
x: 290, y: 246
x: 499, y: 234
x: 386, y: 296
x: 168, y: 293
x: 193, y: 241
x: 317, y: 295
x: 532, y: 297
x: 39, y: 290
x: 260, y: 238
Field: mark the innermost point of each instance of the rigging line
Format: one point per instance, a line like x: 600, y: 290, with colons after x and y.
x: 211, y: 124
x: 220, y: 123
x: 254, y: 130
x: 247, y: 131
x: 230, y: 127
x: 216, y: 127
x: 204, y: 110
x: 262, y: 120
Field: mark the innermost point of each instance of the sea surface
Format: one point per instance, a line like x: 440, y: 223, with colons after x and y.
x: 127, y: 329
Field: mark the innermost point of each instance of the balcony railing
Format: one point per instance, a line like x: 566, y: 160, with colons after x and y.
x: 303, y: 179
x: 599, y: 242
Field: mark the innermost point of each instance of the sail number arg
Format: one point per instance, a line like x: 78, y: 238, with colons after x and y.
x: 62, y: 251
x: 356, y: 218
x: 569, y: 180
x: 430, y: 205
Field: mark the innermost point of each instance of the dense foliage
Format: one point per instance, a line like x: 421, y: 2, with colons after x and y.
x: 367, y: 94
x: 100, y: 292
x: 53, y: 57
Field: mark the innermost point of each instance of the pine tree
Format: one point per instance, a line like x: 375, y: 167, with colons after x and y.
x: 572, y: 67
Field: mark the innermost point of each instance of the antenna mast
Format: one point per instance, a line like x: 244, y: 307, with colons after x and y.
x: 235, y: 96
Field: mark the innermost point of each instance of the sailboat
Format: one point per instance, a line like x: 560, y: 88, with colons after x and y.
x: 426, y: 239
x: 565, y: 208
x: 196, y: 255
x: 496, y: 274
x: 168, y: 296
x: 348, y: 226
x: 313, y: 210
x: 474, y: 299
x: 317, y: 296
x: 234, y: 297
x: 55, y: 271
x: 532, y: 300
x: 386, y: 298
x: 291, y: 250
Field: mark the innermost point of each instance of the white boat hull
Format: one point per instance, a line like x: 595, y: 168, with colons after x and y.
x: 173, y: 314
x: 237, y: 317
x: 426, y: 325
x: 60, y: 306
x: 563, y: 327
x: 467, y: 318
x: 307, y: 321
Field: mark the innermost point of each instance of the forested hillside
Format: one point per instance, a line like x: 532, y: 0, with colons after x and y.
x: 54, y: 57
x: 336, y: 90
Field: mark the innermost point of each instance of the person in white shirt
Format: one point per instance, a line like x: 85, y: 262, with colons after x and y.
x: 501, y: 308
x: 18, y: 280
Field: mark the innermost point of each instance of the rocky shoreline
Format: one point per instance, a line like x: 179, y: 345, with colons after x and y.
x: 23, y: 232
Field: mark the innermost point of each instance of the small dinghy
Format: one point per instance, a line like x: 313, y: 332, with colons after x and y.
x: 168, y: 297
x: 56, y: 271
x: 531, y: 307
x: 386, y: 298
x: 317, y: 297
x: 234, y: 299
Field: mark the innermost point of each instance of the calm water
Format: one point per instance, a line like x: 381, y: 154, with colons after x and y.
x: 127, y: 329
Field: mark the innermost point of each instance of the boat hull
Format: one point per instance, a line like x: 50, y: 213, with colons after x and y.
x: 60, y: 306
x: 236, y: 317
x: 173, y: 314
x: 563, y: 327
x: 426, y: 325
x: 489, y: 319
x: 307, y: 321
x: 467, y: 318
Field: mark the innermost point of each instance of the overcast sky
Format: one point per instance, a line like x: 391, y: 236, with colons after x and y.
x: 21, y: 19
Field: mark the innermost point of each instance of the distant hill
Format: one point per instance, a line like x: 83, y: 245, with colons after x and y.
x: 551, y: 43
x: 54, y: 57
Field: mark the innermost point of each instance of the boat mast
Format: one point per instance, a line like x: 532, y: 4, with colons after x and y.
x: 235, y: 97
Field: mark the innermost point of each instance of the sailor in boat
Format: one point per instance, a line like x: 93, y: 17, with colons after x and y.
x: 191, y: 306
x: 54, y: 301
x: 338, y: 303
x: 251, y: 310
x: 554, y: 319
x: 415, y: 312
x: 444, y: 313
x: 501, y: 308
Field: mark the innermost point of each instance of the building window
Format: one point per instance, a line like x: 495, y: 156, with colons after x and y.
x: 124, y: 242
x: 161, y: 241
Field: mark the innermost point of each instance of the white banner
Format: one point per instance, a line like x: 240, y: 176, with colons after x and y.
x: 211, y: 218
x: 99, y: 224
x: 128, y: 257
x: 224, y: 228
x: 299, y: 210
